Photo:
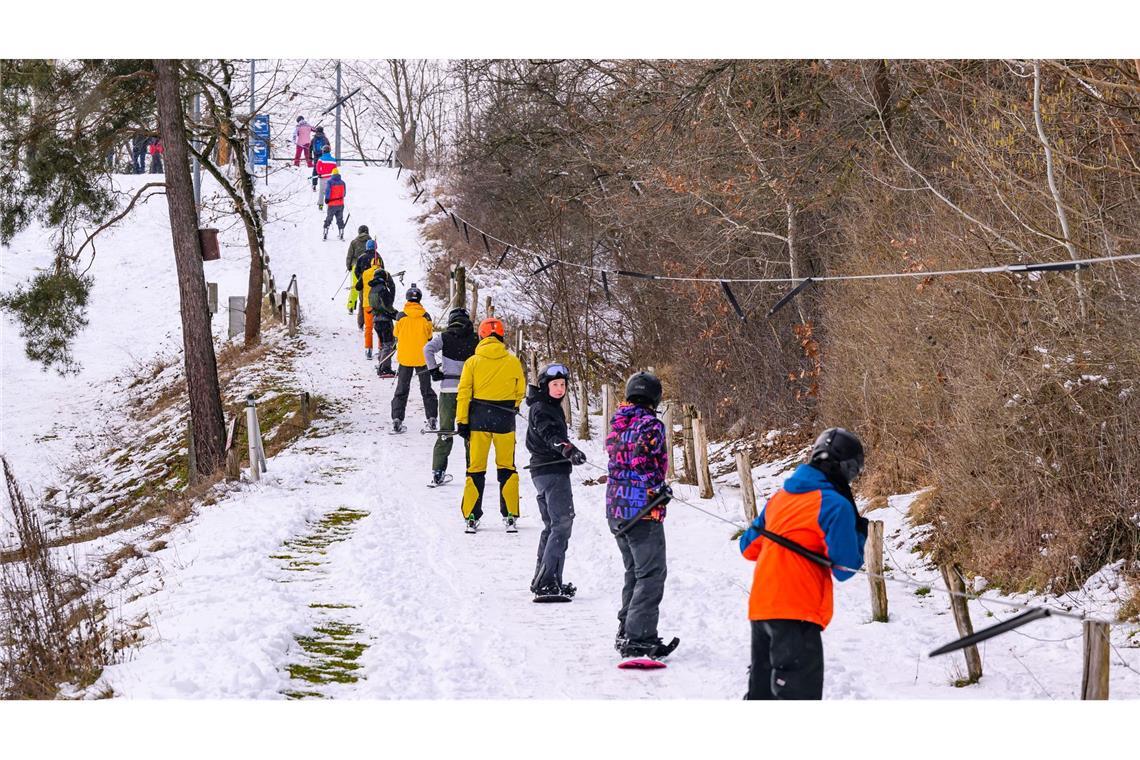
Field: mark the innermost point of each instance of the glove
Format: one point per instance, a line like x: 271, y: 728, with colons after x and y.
x: 573, y: 453
x: 464, y: 430
x: 664, y: 489
x: 861, y: 525
x: 437, y: 375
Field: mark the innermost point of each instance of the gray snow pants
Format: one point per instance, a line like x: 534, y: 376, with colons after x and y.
x: 556, y: 505
x: 643, y: 552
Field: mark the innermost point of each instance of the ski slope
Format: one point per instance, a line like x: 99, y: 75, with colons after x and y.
x: 427, y: 611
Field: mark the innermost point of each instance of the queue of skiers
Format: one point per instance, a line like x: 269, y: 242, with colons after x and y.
x: 482, y: 388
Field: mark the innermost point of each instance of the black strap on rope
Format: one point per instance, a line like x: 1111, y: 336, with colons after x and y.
x: 732, y: 300
x: 1028, y: 616
x: 638, y: 275
x: 606, y: 287
x: 504, y: 256
x: 543, y: 268
x: 791, y: 294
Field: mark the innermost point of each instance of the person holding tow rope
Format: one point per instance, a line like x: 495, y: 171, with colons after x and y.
x: 791, y: 600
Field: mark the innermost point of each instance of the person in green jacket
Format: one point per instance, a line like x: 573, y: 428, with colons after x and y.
x: 355, y: 250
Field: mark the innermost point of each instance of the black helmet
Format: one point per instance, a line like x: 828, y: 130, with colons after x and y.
x: 414, y: 294
x: 643, y: 388
x: 552, y: 371
x: 841, y: 448
x: 362, y: 229
x: 300, y: 119
x: 458, y: 314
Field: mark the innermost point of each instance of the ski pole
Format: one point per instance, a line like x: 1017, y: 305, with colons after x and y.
x: 342, y: 282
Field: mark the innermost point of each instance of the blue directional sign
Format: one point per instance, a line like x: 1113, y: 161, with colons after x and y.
x: 260, y: 152
x: 260, y: 126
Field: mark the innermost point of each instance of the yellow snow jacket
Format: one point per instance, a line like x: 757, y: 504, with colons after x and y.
x: 412, y: 331
x: 491, y: 387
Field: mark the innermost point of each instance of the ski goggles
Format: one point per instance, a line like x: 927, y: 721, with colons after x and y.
x: 555, y: 370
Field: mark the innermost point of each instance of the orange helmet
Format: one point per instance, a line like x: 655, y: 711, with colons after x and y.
x: 491, y: 326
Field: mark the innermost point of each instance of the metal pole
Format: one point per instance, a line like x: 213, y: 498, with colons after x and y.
x: 198, y: 146
x: 252, y: 109
x: 251, y: 436
x: 337, y: 155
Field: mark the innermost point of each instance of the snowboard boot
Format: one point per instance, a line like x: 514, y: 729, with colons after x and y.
x: 437, y: 476
x: 510, y: 523
x: 472, y: 524
x: 340, y: 233
x: 368, y: 353
x: 568, y: 589
x: 398, y: 426
x: 621, y: 639
x: 432, y: 423
x: 326, y: 235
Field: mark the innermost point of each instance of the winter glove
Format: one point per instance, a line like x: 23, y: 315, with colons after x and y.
x: 437, y: 375
x: 573, y: 453
x: 464, y: 430
x: 664, y: 489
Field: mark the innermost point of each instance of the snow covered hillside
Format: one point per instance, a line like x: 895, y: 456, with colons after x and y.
x: 342, y: 575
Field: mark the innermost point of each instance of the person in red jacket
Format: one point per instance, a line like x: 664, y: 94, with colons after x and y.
x: 791, y: 603
x: 334, y: 197
x: 323, y: 169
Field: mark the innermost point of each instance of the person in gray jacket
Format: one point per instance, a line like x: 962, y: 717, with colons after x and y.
x: 455, y: 345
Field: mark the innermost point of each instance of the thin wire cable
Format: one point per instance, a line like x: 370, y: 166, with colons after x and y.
x: 997, y: 269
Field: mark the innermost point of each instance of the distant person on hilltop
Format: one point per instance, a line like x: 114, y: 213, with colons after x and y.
x: 302, y: 137
x: 138, y: 152
x: 791, y: 602
x: 155, y: 149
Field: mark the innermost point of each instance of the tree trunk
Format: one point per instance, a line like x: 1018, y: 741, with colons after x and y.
x: 198, y: 344
x: 253, y: 289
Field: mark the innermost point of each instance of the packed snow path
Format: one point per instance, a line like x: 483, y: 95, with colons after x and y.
x: 341, y: 574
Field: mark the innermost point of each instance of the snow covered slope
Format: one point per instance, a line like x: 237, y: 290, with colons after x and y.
x: 340, y: 574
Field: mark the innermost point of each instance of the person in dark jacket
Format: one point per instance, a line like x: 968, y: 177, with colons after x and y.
x: 138, y: 152
x: 317, y: 145
x: 551, y: 457
x: 637, y: 466
x: 357, y: 247
x: 379, y: 300
x: 791, y: 602
x: 456, y: 344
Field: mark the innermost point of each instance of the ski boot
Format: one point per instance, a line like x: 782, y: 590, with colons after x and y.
x: 472, y: 524
x: 368, y: 353
x: 340, y: 233
x: 326, y: 235
x: 509, y: 520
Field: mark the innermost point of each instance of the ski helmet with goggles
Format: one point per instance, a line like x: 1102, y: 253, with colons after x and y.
x: 842, y: 448
x: 553, y: 371
x: 491, y: 326
x: 414, y: 294
x: 643, y: 388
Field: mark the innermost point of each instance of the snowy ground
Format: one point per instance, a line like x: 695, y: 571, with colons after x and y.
x: 409, y: 605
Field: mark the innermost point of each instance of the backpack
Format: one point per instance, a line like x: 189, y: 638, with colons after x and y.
x: 380, y: 294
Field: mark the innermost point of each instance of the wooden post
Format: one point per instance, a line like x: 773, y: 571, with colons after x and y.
x: 475, y: 303
x: 292, y: 315
x: 251, y: 438
x: 607, y: 415
x: 191, y: 455
x: 583, y: 411
x: 701, y: 442
x: 687, y: 441
x: 874, y: 555
x: 306, y: 412
x: 667, y: 419
x: 233, y: 455
x: 952, y: 576
x: 460, y: 297
x: 747, y: 489
x: 533, y: 356
x: 490, y: 309
x: 1094, y: 676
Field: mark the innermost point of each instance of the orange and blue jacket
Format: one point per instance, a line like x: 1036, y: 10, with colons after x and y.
x: 810, y: 511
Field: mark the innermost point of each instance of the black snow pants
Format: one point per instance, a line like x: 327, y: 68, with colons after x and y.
x: 404, y: 386
x: 643, y: 553
x: 787, y: 660
x: 556, y: 505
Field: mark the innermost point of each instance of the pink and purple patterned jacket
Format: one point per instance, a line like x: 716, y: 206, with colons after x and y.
x: 638, y: 462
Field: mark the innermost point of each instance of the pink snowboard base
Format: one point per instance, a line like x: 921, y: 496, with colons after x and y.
x: 641, y: 663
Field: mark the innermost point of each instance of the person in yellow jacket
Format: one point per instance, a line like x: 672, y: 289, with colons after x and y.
x: 412, y: 331
x: 491, y: 388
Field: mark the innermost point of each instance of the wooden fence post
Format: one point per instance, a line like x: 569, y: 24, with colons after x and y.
x: 583, y: 411
x: 667, y: 418
x: 687, y: 442
x: 874, y: 556
x: 460, y: 297
x: 747, y: 489
x: 490, y: 308
x: 701, y: 442
x: 233, y: 454
x: 1094, y: 674
x: 607, y: 407
x: 306, y: 412
x: 475, y: 303
x: 952, y: 576
x: 293, y: 317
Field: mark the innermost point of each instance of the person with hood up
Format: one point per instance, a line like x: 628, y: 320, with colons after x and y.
x: 324, y: 169
x: 551, y: 457
x: 456, y: 344
x: 302, y: 137
x: 357, y: 247
x: 412, y: 331
x: 637, y: 467
x: 791, y: 601
x: 491, y: 388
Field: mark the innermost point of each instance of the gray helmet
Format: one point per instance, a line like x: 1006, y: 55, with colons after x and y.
x: 362, y: 229
x: 643, y: 388
x: 842, y: 449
